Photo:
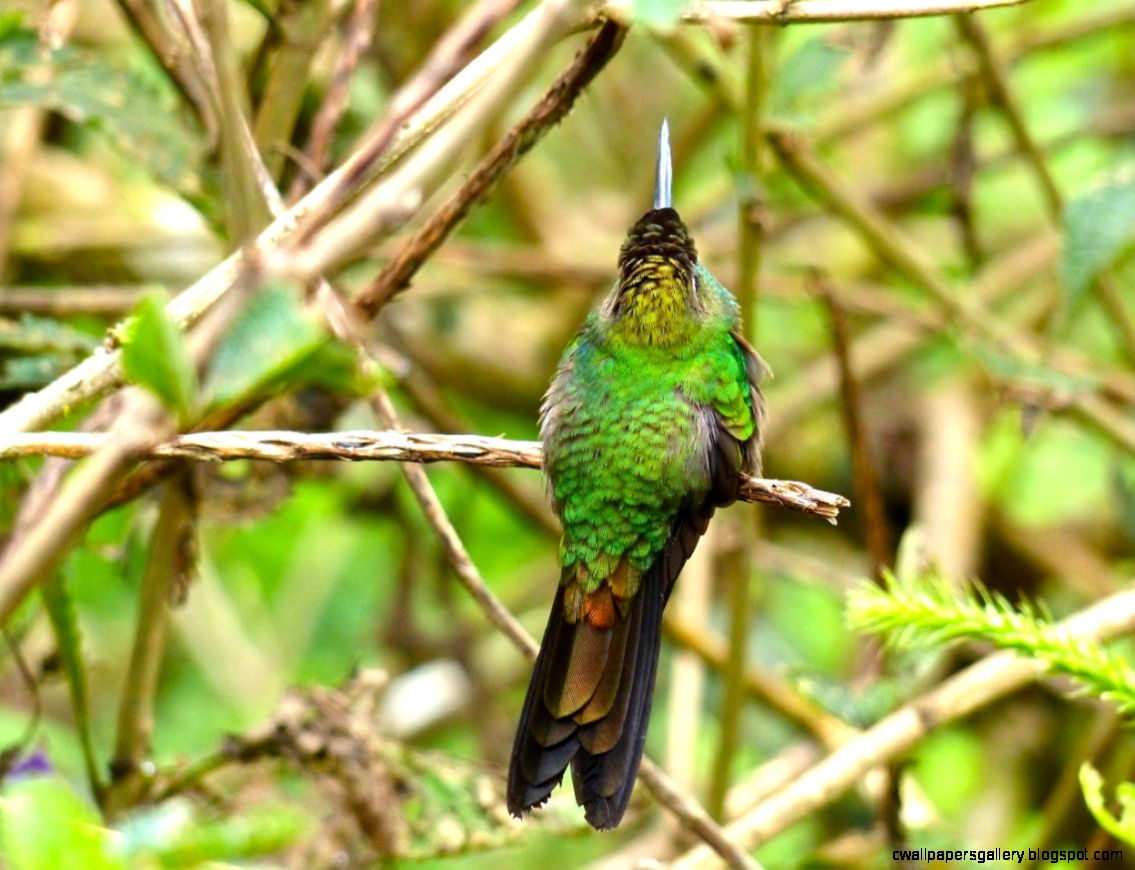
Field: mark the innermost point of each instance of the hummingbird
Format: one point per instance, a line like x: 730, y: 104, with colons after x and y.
x: 652, y: 416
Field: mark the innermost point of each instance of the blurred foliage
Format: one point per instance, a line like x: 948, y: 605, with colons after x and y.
x: 133, y: 107
x: 45, y: 826
x: 1099, y: 231
x: 310, y: 573
x: 274, y: 346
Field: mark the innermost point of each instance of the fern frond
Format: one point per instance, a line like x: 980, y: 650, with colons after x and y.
x: 929, y: 611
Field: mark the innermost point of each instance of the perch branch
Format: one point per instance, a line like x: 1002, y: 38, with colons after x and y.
x: 378, y: 446
x: 819, y: 11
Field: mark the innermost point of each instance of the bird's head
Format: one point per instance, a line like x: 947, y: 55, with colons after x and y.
x: 655, y: 300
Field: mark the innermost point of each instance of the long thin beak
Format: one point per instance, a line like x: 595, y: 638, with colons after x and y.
x: 664, y: 172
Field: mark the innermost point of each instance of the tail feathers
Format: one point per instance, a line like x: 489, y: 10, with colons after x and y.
x: 589, y: 700
x: 605, y: 769
x: 604, y: 772
x: 544, y: 745
x: 603, y: 736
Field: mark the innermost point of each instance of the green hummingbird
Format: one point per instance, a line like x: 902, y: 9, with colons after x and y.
x: 654, y: 412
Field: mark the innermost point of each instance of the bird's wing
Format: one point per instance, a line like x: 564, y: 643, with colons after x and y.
x: 755, y: 372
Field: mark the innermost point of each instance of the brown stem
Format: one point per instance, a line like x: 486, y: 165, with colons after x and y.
x: 552, y: 107
x: 868, y: 493
x: 820, y: 11
x: 374, y: 446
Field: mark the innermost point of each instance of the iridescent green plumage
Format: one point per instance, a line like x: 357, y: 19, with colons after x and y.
x: 654, y: 412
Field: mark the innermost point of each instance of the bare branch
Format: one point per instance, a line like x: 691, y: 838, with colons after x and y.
x: 819, y: 11
x: 364, y: 445
x: 553, y: 106
x: 360, y: 33
x: 99, y: 300
x: 101, y: 372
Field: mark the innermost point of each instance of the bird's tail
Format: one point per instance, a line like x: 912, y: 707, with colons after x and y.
x: 588, y: 703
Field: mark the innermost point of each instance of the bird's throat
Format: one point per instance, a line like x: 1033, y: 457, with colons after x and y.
x: 655, y: 301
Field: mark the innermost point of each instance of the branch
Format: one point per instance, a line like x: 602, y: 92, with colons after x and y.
x: 358, y: 446
x: 552, y: 108
x: 819, y: 11
x: 101, y: 372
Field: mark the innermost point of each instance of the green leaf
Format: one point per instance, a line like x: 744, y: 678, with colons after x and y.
x: 1123, y: 828
x: 154, y: 356
x: 44, y: 826
x: 275, y: 345
x: 141, y: 120
x: 1099, y: 231
x: 65, y: 624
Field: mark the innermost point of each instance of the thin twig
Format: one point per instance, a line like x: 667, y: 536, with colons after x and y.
x: 867, y: 491
x: 444, y: 60
x: 892, y: 246
x: 357, y: 446
x: 552, y: 107
x: 997, y: 82
x: 178, y: 62
x: 169, y: 558
x: 94, y: 299
x: 299, y: 31
x: 360, y: 33
x: 31, y: 558
x: 1004, y: 97
x: 423, y: 392
x: 844, y: 118
x: 818, y: 11
x: 244, y: 177
x: 504, y: 62
x: 765, y: 687
x: 735, y: 557
x: 882, y: 348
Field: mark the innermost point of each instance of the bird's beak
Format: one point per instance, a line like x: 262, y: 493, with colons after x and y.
x: 664, y: 172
